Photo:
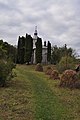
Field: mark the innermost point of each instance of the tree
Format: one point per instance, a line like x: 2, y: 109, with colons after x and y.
x: 61, y: 66
x: 39, y: 50
x: 59, y: 52
x: 55, y: 57
x: 6, y: 62
x: 49, y: 52
x: 3, y: 53
x: 21, y: 50
x: 28, y: 48
x: 24, y: 50
x: 7, y: 51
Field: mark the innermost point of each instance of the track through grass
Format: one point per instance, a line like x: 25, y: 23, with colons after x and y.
x: 33, y: 96
x: 48, y: 106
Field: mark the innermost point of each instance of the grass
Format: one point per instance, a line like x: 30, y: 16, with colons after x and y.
x: 33, y: 96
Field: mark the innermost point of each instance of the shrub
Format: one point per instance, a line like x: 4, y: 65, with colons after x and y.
x: 5, y: 71
x: 48, y: 70
x: 39, y: 67
x: 65, y: 63
x: 54, y: 74
x: 70, y: 79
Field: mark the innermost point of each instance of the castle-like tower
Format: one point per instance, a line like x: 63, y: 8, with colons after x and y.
x: 35, y: 38
x: 44, y: 49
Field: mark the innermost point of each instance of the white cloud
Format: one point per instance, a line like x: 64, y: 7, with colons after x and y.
x: 57, y: 21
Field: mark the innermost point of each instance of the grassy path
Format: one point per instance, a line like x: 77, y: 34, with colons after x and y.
x: 48, y: 105
x: 33, y: 96
x: 46, y: 102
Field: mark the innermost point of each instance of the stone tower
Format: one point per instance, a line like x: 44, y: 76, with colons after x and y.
x: 35, y: 37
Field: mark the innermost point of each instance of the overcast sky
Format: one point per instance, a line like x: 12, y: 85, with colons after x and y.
x: 58, y: 21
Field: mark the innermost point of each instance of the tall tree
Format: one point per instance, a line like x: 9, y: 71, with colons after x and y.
x: 28, y: 48
x: 39, y: 50
x: 18, y: 50
x: 21, y: 50
x: 55, y: 57
x: 49, y: 52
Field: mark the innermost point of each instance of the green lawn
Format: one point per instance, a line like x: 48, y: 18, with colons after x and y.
x: 33, y: 96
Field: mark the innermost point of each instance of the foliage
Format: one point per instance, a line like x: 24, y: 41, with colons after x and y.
x: 7, y: 59
x: 59, y: 52
x: 24, y: 50
x: 7, y: 51
x: 54, y: 74
x: 5, y: 71
x: 3, y: 53
x: 28, y: 48
x: 55, y: 57
x: 39, y: 67
x: 49, y: 52
x: 70, y: 79
x: 39, y: 50
x: 65, y: 63
x: 21, y: 50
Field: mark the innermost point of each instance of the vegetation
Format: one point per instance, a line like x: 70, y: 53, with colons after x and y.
x: 25, y: 49
x: 34, y: 96
x: 21, y: 50
x: 39, y: 50
x: 7, y: 59
x: 65, y: 63
x: 49, y: 52
x: 59, y: 52
x: 5, y: 71
x: 7, y: 51
x: 28, y: 48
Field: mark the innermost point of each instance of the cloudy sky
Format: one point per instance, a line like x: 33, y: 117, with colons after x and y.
x: 58, y: 21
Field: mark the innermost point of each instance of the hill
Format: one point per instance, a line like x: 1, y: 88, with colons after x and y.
x: 33, y: 95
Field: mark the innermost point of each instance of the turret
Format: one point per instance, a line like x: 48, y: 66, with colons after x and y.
x: 35, y: 37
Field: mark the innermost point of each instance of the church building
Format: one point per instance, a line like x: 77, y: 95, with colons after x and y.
x: 44, y: 49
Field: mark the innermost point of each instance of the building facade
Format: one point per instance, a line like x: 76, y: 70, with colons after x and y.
x: 44, y: 49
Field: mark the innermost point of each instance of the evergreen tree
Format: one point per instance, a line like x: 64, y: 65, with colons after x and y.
x: 49, y: 52
x: 21, y: 50
x: 39, y: 50
x: 28, y: 48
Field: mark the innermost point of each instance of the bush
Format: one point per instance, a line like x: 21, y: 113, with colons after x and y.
x: 70, y: 79
x: 66, y: 63
x: 39, y: 67
x: 48, y: 70
x: 54, y: 74
x: 5, y: 71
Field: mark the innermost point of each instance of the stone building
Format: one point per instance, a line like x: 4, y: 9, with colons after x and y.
x: 44, y: 49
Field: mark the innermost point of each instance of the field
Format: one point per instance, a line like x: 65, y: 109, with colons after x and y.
x: 33, y: 95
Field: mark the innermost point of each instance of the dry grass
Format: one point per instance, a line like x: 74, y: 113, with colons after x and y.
x: 33, y: 96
